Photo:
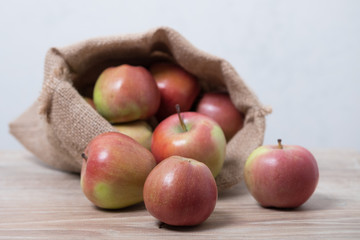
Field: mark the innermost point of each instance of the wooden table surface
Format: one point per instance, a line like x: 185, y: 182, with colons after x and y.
x: 37, y: 202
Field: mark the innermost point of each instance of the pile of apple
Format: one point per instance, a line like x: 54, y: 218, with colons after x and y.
x: 173, y: 168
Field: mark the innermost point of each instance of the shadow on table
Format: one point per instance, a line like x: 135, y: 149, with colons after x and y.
x: 133, y: 208
x: 218, y: 219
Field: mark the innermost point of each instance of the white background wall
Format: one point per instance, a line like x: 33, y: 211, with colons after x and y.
x: 300, y: 57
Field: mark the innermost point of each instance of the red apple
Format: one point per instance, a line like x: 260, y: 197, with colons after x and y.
x: 180, y: 191
x: 176, y: 87
x: 126, y: 93
x: 191, y: 135
x: 114, y: 170
x: 281, y: 176
x: 219, y: 107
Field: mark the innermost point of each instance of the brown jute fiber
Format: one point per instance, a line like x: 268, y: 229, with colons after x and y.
x: 58, y: 126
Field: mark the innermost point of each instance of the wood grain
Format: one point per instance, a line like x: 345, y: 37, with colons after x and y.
x: 37, y: 202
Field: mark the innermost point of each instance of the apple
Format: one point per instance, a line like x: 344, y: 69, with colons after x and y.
x: 191, y: 135
x: 176, y: 86
x: 139, y: 130
x: 180, y: 192
x: 219, y: 107
x: 126, y: 93
x: 281, y: 176
x: 114, y: 170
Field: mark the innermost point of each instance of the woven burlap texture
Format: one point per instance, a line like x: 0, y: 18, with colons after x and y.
x: 58, y: 126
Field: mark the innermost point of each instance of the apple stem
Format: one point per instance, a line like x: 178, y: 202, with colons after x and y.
x: 177, y: 106
x: 279, y: 143
x: 83, y: 155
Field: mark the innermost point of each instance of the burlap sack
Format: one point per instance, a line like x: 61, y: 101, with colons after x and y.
x: 58, y: 126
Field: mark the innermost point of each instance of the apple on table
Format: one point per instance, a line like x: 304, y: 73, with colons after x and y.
x: 176, y: 86
x: 114, y: 170
x: 192, y: 135
x: 281, y: 176
x: 180, y: 191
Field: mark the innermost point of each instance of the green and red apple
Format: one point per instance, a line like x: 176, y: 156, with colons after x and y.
x: 139, y: 130
x: 126, y: 93
x: 176, y: 86
x: 219, y: 107
x: 281, y: 176
x: 114, y: 170
x: 180, y: 191
x: 191, y: 135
